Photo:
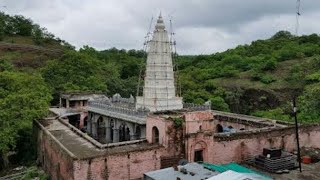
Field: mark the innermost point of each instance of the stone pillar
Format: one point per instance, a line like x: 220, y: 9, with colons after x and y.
x: 132, y: 131
x: 60, y: 102
x: 116, y: 130
x: 143, y: 132
x: 108, y: 129
x: 67, y: 103
x: 108, y: 132
x: 94, y: 130
x: 81, y: 122
x: 115, y: 134
x: 133, y: 136
x: 89, y: 125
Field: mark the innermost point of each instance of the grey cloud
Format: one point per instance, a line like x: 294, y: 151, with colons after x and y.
x: 204, y: 26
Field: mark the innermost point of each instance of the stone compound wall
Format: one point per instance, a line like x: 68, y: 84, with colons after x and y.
x: 206, y: 121
x: 114, y: 167
x: 225, y: 148
x: 217, y: 148
x: 161, y: 124
x: 241, y: 146
x: 229, y: 147
x: 53, y: 158
x: 61, y: 164
x: 170, y: 137
x: 195, y: 119
x: 236, y: 126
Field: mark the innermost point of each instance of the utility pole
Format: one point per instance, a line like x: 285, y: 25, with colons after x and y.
x: 298, y: 14
x: 297, y: 131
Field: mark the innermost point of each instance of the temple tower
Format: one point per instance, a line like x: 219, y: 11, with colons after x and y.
x: 159, y: 93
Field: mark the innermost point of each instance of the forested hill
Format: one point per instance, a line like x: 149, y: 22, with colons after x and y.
x: 260, y: 78
x: 28, y: 44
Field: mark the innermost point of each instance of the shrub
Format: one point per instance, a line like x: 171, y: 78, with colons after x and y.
x: 267, y: 79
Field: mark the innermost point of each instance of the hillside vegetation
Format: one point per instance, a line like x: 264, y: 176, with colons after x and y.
x: 260, y: 78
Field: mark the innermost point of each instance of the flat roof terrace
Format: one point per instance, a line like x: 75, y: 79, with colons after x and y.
x: 80, y: 146
x: 253, y: 121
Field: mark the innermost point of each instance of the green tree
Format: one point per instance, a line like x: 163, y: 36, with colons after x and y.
x: 310, y: 102
x: 23, y: 98
x: 218, y: 103
x: 78, y: 72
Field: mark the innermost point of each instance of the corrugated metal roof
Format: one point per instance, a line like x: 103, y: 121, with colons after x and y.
x: 194, y: 171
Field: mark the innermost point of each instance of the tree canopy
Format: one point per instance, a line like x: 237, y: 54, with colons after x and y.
x: 23, y: 98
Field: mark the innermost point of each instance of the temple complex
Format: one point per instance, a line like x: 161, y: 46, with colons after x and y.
x: 99, y: 137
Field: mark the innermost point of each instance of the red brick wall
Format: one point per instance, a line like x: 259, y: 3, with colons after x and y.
x: 236, y: 126
x: 239, y: 147
x: 194, y: 120
x: 116, y: 167
x: 54, y: 160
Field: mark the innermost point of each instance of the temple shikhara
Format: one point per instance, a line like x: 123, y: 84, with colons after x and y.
x: 159, y: 92
x: 93, y: 136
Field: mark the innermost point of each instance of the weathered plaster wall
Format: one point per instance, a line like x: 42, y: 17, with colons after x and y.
x: 170, y: 137
x: 53, y: 158
x: 193, y: 121
x: 217, y: 148
x: 125, y: 165
x: 239, y: 146
x: 236, y: 126
x: 161, y: 124
x: 199, y: 141
x: 83, y: 115
x: 205, y: 121
x: 119, y: 166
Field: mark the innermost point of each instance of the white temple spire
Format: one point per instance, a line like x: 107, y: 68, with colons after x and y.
x: 159, y: 93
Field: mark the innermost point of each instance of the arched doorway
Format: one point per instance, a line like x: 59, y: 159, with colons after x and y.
x: 85, y: 124
x: 155, y: 135
x: 101, y: 129
x: 111, y: 129
x: 124, y: 132
x: 138, y: 132
x: 219, y: 128
x: 199, y: 152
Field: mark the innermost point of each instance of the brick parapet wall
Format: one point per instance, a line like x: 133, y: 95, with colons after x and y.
x: 121, y: 166
x: 240, y: 146
x: 170, y: 161
x: 96, y: 143
x: 265, y: 132
x: 53, y: 156
x: 60, y: 163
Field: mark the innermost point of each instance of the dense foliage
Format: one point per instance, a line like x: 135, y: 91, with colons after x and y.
x: 23, y: 98
x: 254, y: 78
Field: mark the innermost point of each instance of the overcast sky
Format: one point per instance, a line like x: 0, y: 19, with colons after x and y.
x: 201, y: 26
